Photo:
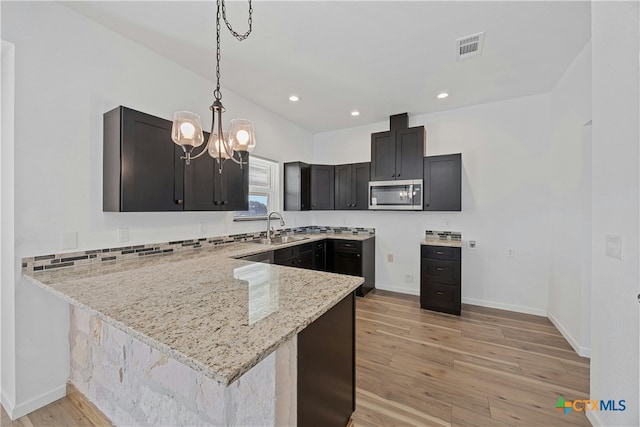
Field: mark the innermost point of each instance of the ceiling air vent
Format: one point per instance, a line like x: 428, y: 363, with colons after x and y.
x: 469, y: 46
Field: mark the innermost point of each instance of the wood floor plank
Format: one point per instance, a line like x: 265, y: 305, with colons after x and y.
x: 462, y: 417
x: 520, y: 416
x: 519, y: 363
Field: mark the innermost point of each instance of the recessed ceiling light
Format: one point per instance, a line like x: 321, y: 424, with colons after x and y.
x: 294, y: 98
x: 442, y: 95
x: 355, y: 113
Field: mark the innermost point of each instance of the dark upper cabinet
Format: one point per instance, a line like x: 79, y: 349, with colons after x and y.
x: 296, y: 186
x: 144, y: 172
x: 443, y: 183
x: 351, y: 186
x: 206, y: 189
x: 142, y: 169
x: 397, y: 154
x: 322, y: 187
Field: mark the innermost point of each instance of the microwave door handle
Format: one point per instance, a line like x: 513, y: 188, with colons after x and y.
x: 411, y: 193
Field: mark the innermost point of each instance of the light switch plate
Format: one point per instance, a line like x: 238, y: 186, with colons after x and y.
x: 471, y: 244
x: 613, y: 246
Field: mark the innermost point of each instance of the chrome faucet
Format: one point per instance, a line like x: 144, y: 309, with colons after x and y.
x: 270, y: 229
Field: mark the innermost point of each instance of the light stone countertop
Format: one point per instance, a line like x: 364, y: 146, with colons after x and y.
x: 440, y: 242
x: 217, y: 315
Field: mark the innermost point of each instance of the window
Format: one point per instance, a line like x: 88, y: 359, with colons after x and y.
x: 263, y: 189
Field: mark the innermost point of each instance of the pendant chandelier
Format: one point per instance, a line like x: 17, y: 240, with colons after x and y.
x: 187, y: 128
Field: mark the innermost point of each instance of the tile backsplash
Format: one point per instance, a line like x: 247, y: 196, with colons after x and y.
x: 52, y: 261
x: 443, y: 235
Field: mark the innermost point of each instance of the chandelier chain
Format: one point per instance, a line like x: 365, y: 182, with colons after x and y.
x: 221, y: 7
x: 238, y: 36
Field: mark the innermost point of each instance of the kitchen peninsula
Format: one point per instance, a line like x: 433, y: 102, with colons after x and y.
x: 199, y: 337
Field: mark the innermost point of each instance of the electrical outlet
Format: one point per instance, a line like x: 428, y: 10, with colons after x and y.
x: 389, y: 257
x: 471, y: 244
x: 613, y: 247
x: 408, y: 278
x: 511, y: 253
x: 123, y: 234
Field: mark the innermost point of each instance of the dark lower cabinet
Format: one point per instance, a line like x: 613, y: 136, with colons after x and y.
x: 443, y: 183
x: 320, y: 255
x: 300, y: 256
x: 142, y: 169
x: 326, y: 368
x: 356, y: 258
x: 352, y: 186
x: 440, y: 278
x: 322, y: 183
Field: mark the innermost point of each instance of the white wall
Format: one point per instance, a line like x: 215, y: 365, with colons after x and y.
x: 615, y: 320
x: 505, y: 148
x: 7, y: 257
x: 570, y: 203
x: 69, y: 71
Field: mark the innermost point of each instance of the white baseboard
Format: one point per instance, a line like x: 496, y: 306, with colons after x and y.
x: 21, y: 409
x: 6, y: 403
x: 399, y: 289
x: 582, y: 351
x: 508, y: 307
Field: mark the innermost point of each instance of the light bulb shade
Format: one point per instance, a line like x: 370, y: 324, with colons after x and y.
x: 187, y: 130
x: 216, y: 148
x: 242, y: 136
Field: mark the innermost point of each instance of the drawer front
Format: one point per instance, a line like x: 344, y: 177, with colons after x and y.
x: 440, y: 252
x: 284, y: 254
x: 347, y: 246
x: 319, y: 246
x: 439, y: 297
x: 440, y: 271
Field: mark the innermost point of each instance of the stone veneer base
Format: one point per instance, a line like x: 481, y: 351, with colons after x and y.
x: 134, y: 384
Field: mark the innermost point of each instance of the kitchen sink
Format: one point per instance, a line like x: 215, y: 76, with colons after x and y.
x: 280, y: 240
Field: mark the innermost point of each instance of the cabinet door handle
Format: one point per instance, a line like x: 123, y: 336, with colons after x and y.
x: 314, y: 205
x: 393, y: 176
x: 225, y: 202
x: 358, y: 255
x: 179, y: 202
x: 398, y: 175
x: 216, y: 202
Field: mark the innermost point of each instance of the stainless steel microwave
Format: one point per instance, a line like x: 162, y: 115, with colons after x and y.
x: 396, y: 195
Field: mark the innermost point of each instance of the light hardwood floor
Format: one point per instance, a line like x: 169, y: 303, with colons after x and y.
x: 486, y: 367
x: 419, y: 368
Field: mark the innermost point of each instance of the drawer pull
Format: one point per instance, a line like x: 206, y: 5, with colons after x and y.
x: 440, y: 269
x: 439, y: 253
x: 439, y: 293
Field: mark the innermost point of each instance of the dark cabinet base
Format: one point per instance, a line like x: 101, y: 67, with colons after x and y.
x: 440, y: 279
x: 356, y: 258
x: 326, y: 368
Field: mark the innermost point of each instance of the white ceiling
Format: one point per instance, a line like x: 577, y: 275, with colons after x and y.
x: 379, y: 57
